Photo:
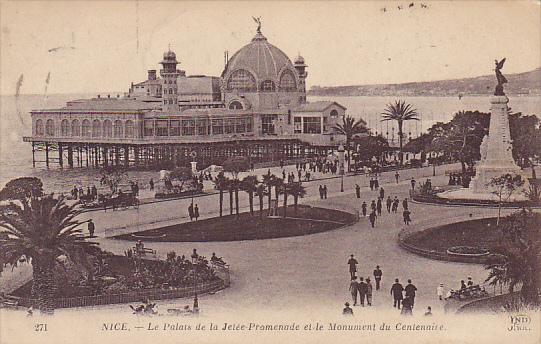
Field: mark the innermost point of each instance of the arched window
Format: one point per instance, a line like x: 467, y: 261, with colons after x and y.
x: 287, y: 81
x: 86, y: 128
x: 107, y: 128
x: 75, y: 128
x: 96, y: 128
x: 267, y: 86
x: 235, y: 105
x: 39, y: 127
x: 49, y: 127
x: 128, y: 129
x: 241, y: 80
x: 334, y: 113
x: 65, y: 128
x: 117, y: 129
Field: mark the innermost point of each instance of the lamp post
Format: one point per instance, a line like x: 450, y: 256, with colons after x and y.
x: 341, y: 151
x: 195, y: 256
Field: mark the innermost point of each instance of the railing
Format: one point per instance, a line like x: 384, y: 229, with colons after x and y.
x: 136, y: 296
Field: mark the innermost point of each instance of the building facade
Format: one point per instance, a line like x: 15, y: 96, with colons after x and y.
x: 257, y: 107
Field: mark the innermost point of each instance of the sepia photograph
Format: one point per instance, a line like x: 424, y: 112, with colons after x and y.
x: 270, y: 172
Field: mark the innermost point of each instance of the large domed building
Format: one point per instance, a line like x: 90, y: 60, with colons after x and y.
x: 261, y: 76
x: 256, y: 108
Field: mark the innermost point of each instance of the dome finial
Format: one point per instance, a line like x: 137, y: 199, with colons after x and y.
x: 257, y: 20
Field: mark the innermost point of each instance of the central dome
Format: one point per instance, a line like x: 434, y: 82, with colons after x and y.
x: 261, y: 59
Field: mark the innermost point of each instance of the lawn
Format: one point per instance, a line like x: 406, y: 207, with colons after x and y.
x: 307, y: 220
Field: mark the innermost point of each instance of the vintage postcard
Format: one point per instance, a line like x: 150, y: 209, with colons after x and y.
x: 270, y: 172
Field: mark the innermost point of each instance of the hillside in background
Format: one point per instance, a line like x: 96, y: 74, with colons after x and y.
x: 528, y: 83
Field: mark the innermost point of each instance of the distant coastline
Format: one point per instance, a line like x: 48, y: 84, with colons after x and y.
x: 520, y: 84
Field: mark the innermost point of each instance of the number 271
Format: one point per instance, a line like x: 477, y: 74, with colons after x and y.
x: 40, y: 327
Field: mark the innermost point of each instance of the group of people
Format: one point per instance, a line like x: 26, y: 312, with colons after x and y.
x: 193, y: 211
x: 404, y: 296
x: 323, y: 191
x: 391, y: 204
x: 79, y: 193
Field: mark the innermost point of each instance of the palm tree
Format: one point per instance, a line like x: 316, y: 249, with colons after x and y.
x: 296, y: 190
x: 349, y: 127
x: 277, y: 183
x: 249, y: 184
x: 41, y: 230
x: 400, y: 112
x: 260, y: 191
x: 234, y: 186
x: 221, y: 182
x: 284, y: 189
x: 268, y: 180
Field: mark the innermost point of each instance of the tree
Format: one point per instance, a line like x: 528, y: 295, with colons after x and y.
x: 260, y: 191
x: 22, y: 188
x: 526, y: 135
x: 112, y: 177
x: 461, y: 138
x: 235, y: 165
x: 521, y: 252
x: 349, y: 127
x: 182, y: 174
x: 221, y: 183
x: 371, y: 146
x: 400, y: 112
x: 249, y: 185
x: 277, y: 183
x: 268, y: 180
x: 296, y: 190
x: 504, y: 187
x: 42, y: 230
x: 234, y: 186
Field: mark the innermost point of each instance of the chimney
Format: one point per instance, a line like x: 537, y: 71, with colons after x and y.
x: 99, y: 96
x: 151, y: 74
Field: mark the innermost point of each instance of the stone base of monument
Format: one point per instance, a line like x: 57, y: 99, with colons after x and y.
x: 467, y: 194
x: 485, y: 173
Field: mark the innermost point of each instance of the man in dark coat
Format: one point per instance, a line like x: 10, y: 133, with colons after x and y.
x: 363, y: 289
x: 381, y: 193
x: 378, y: 206
x: 190, y: 211
x: 325, y: 191
x: 413, y: 182
x: 410, y: 292
x: 396, y: 292
x: 377, y: 276
x: 347, y: 310
x: 389, y: 203
x: 196, y: 212
x: 372, y: 217
x: 405, y: 204
x: 407, y: 218
x: 354, y: 290
x: 363, y: 208
x: 373, y: 206
x: 321, y: 192
x: 352, y: 262
x: 358, y: 190
x: 91, y: 228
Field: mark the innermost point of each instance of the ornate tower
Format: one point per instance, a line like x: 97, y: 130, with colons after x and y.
x: 169, y: 73
x: 300, y: 66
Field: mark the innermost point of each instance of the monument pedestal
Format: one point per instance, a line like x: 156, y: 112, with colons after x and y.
x: 499, y: 155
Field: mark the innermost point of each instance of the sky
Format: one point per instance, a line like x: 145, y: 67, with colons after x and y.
x: 86, y: 47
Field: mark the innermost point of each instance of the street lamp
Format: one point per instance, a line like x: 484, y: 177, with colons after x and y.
x: 195, y: 256
x: 341, y: 151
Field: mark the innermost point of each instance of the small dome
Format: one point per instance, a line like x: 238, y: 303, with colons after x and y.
x: 169, y: 55
x: 299, y: 60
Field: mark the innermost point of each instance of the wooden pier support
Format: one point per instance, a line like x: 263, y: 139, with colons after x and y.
x: 33, y: 154
x: 70, y: 156
x: 47, y: 154
x: 60, y: 156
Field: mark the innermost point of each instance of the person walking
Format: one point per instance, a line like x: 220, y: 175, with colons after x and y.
x: 196, y: 212
x: 347, y: 310
x: 406, y: 215
x: 389, y: 203
x: 358, y: 190
x: 413, y: 182
x: 377, y: 276
x: 405, y: 204
x: 396, y: 176
x: 396, y: 202
x: 321, y: 191
x: 371, y: 183
x: 363, y: 209
x: 352, y: 262
x: 410, y: 291
x: 325, y: 191
x: 151, y: 183
x: 368, y: 292
x: 378, y: 206
x: 373, y: 205
x: 354, y: 289
x: 440, y: 292
x: 381, y: 193
x: 91, y: 228
x: 396, y: 292
x: 376, y: 183
x: 190, y: 211
x: 363, y: 289
x: 372, y: 217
